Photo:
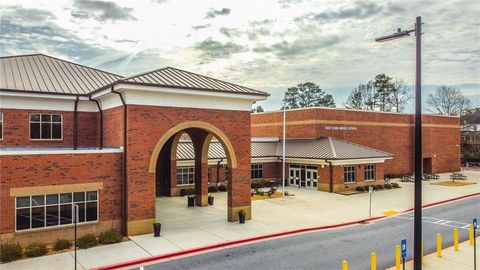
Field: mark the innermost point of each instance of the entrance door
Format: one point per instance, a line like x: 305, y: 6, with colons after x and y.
x: 427, y: 165
x: 311, y: 177
x: 294, y: 176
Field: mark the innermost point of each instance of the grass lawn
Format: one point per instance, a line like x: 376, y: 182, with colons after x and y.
x: 458, y: 183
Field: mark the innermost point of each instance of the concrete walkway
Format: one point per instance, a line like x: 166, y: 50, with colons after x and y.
x: 451, y: 259
x: 186, y: 228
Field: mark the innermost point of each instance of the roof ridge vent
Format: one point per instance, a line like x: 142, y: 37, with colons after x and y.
x: 334, y: 153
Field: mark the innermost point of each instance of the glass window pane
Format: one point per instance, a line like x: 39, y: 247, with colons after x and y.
x: 91, y: 196
x: 38, y: 200
x: 46, y: 118
x: 66, y: 214
x: 1, y: 130
x: 34, y: 131
x: 65, y: 197
x: 34, y: 117
x: 46, y: 131
x: 23, y: 201
x: 52, y: 199
x: 52, y: 215
x: 56, y: 131
x: 56, y: 118
x: 79, y: 196
x: 81, y: 212
x: 23, y: 219
x: 38, y: 217
x: 91, y: 211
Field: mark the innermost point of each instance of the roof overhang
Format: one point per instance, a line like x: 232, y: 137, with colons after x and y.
x: 358, y: 161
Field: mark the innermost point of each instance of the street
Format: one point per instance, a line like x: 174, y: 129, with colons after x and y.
x: 326, y: 249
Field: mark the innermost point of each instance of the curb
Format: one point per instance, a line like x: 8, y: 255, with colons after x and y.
x: 258, y: 238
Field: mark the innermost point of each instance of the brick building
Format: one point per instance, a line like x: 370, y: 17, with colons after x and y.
x: 72, y: 134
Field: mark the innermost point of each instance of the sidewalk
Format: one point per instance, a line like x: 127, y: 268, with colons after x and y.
x: 186, y: 228
x: 451, y: 259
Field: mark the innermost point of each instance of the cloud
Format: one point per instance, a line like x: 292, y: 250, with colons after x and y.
x: 211, y: 49
x: 212, y: 13
x: 357, y: 10
x: 230, y: 32
x: 199, y: 27
x: 102, y: 11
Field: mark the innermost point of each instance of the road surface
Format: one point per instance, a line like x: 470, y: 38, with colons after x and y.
x: 326, y: 249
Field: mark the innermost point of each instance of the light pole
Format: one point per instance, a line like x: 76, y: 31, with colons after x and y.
x: 417, y: 227
x: 283, y: 151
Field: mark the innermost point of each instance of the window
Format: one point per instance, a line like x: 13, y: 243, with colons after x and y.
x: 369, y: 172
x: 349, y: 174
x: 185, y: 175
x: 45, y: 126
x: 257, y: 171
x: 1, y: 126
x: 50, y: 210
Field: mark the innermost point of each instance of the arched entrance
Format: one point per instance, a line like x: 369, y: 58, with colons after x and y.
x: 163, y: 165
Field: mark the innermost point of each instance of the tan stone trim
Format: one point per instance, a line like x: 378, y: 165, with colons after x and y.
x: 222, y: 138
x: 142, y: 226
x: 233, y: 213
x: 340, y: 122
x: 39, y: 190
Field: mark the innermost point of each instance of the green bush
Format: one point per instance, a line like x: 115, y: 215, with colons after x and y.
x: 360, y: 188
x: 36, y: 250
x: 395, y: 185
x: 87, y: 241
x: 109, y: 237
x: 387, y: 186
x: 222, y: 188
x: 256, y: 185
x: 212, y: 189
x: 62, y: 244
x: 10, y: 252
x: 379, y: 186
x: 188, y: 191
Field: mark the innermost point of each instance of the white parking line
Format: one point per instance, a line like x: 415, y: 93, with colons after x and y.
x: 437, y: 221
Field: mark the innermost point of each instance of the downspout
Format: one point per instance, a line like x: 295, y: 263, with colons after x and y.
x: 124, y: 180
x: 331, y: 175
x: 75, y: 124
x: 101, y: 121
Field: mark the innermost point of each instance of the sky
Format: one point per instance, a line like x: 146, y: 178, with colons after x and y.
x: 268, y: 45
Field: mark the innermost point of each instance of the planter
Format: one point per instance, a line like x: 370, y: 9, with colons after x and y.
x: 210, y: 200
x: 241, y: 217
x: 157, y: 227
x: 191, y: 201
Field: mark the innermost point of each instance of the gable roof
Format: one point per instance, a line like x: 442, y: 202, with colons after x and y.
x: 324, y: 148
x: 177, y: 78
x: 41, y: 73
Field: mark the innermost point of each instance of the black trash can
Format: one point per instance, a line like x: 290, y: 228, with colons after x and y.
x: 191, y: 201
x: 210, y: 200
x: 156, y: 229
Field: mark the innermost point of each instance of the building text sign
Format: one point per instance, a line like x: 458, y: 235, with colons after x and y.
x: 341, y: 128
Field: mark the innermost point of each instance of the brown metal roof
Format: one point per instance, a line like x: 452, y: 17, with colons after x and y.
x: 46, y: 74
x: 177, y: 78
x: 322, y: 148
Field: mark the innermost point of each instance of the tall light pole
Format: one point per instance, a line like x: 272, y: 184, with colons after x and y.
x: 283, y: 150
x: 417, y: 228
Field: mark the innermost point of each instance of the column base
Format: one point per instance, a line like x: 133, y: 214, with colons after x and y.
x: 201, y: 200
x: 142, y: 226
x: 233, y: 213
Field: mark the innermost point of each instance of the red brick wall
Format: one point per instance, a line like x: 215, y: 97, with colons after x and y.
x: 388, y: 132
x: 44, y: 170
x: 113, y: 127
x: 147, y: 124
x: 16, y: 129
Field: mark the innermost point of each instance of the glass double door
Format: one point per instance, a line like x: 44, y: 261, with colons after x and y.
x: 303, y: 176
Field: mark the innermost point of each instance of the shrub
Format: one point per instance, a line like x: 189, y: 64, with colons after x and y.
x: 188, y: 191
x: 256, y: 185
x: 375, y: 187
x: 212, y: 189
x: 10, y: 252
x: 379, y: 186
x: 360, y: 188
x: 62, y: 244
x: 387, y: 186
x: 395, y: 185
x: 259, y: 192
x: 222, y: 188
x: 366, y: 187
x: 87, y: 241
x: 109, y: 237
x: 36, y: 250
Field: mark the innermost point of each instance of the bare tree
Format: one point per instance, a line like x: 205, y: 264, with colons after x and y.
x: 447, y: 101
x: 362, y: 97
x: 399, y: 96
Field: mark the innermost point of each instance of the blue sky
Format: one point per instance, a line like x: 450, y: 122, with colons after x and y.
x: 269, y: 45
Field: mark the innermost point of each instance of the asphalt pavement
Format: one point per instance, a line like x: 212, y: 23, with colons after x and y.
x: 326, y: 249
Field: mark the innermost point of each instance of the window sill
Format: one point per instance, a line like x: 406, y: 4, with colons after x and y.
x: 46, y: 140
x: 371, y: 180
x: 350, y: 183
x: 65, y: 226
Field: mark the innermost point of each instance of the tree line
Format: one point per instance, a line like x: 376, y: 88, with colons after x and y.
x: 382, y: 93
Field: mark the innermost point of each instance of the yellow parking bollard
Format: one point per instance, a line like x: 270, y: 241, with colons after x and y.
x: 455, y: 239
x: 439, y: 245
x: 397, y: 257
x: 421, y: 253
x: 470, y: 229
x: 344, y: 265
x: 373, y: 261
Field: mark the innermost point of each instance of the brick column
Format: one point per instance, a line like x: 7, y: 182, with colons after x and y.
x: 201, y: 141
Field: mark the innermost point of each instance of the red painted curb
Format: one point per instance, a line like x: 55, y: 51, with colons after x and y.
x: 230, y: 243
x: 257, y: 238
